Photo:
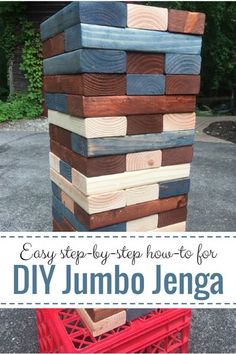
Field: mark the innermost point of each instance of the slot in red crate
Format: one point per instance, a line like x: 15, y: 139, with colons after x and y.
x: 161, y: 331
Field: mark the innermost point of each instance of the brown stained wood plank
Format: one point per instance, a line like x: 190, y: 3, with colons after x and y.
x: 182, y: 84
x: 172, y: 217
x: 87, y: 84
x: 147, y: 17
x: 60, y: 135
x: 56, y: 227
x: 67, y: 227
x: 82, y: 106
x: 53, y: 46
x: 144, y: 124
x: 177, y: 156
x: 145, y: 63
x: 186, y: 22
x: 100, y: 314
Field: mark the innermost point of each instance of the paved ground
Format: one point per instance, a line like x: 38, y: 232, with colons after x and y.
x: 25, y: 206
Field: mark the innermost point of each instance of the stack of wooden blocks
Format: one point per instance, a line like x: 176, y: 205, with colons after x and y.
x: 120, y: 82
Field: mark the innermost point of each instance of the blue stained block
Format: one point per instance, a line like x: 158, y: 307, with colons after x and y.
x: 131, y: 314
x: 56, y: 190
x: 172, y: 188
x: 182, y: 64
x: 145, y: 84
x: 79, y: 144
x: 56, y: 102
x: 57, y: 216
x: 65, y: 170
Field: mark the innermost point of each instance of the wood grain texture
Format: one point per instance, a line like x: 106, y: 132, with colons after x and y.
x: 179, y: 227
x: 147, y: 17
x: 62, y: 136
x: 65, y: 170
x: 53, y: 46
x: 147, y: 223
x: 172, y: 217
x: 96, y: 12
x: 143, y: 160
x: 89, y: 127
x: 186, y: 22
x: 182, y: 64
x: 57, y: 102
x: 182, y: 84
x: 145, y: 84
x: 142, y: 194
x: 82, y: 106
x: 177, y: 156
x: 54, y: 162
x: 87, y: 84
x: 172, y: 188
x: 131, y: 212
x: 67, y: 201
x: 144, y: 124
x: 129, y: 39
x: 145, y: 63
x: 86, y: 60
x: 131, y: 143
x: 100, y: 314
x: 179, y: 121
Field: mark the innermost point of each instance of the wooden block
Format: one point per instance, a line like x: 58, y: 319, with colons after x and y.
x: 56, y: 227
x: 104, y: 325
x: 89, y: 127
x: 147, y: 17
x: 179, y: 121
x: 82, y: 106
x: 53, y: 46
x: 86, y: 60
x: 118, y: 182
x: 143, y: 224
x: 65, y: 170
x: 143, y: 160
x: 182, y: 84
x: 67, y: 227
x: 97, y: 12
x: 92, y: 204
x: 67, y: 201
x: 87, y: 84
x: 129, y: 39
x: 56, y: 190
x: 145, y: 84
x: 62, y: 136
x: 57, y: 216
x: 90, y: 167
x: 131, y: 143
x: 145, y: 63
x: 144, y: 124
x: 171, y: 188
x: 142, y: 194
x: 182, y: 64
x: 177, y: 156
x: 179, y: 227
x: 57, y: 102
x: 54, y: 162
x: 172, y: 217
x: 130, y: 212
x: 186, y: 22
x: 132, y: 314
x: 99, y: 314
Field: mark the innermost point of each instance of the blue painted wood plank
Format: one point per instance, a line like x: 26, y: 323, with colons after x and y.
x: 131, y: 143
x: 56, y: 190
x: 131, y: 314
x: 92, y: 36
x: 172, y: 188
x: 182, y: 64
x: 57, y: 216
x: 86, y: 60
x: 65, y: 170
x: 108, y: 13
x: 145, y: 84
x: 57, y: 102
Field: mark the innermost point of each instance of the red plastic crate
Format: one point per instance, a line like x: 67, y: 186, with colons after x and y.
x: 161, y: 331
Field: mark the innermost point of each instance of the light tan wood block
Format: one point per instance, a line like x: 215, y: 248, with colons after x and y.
x: 179, y: 121
x: 102, y: 326
x: 179, y: 227
x: 93, y: 204
x: 143, y: 224
x: 147, y: 17
x: 120, y: 181
x: 67, y: 201
x: 143, y: 160
x: 54, y: 162
x: 142, y: 194
x: 89, y: 127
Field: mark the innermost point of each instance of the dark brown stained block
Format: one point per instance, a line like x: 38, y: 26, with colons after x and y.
x: 186, y: 22
x: 177, y: 156
x: 172, y: 217
x: 182, y: 84
x: 99, y: 314
x: 86, y: 84
x: 60, y: 135
x: 145, y: 63
x: 56, y: 227
x: 130, y: 212
x: 67, y: 226
x: 90, y: 167
x: 53, y: 46
x: 105, y: 106
x: 144, y: 124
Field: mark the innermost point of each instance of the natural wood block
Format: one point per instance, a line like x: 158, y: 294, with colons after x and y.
x: 179, y: 121
x: 177, y: 156
x: 143, y: 224
x: 182, y: 84
x: 179, y: 227
x: 147, y: 17
x: 65, y: 170
x: 144, y: 124
x: 145, y: 84
x: 54, y: 162
x: 87, y: 84
x: 186, y: 22
x: 99, y: 314
x: 89, y: 127
x: 57, y: 102
x: 53, y: 46
x: 67, y: 201
x: 62, y: 136
x: 171, y: 188
x: 143, y: 160
x: 182, y: 64
x: 172, y: 217
x: 145, y: 63
x: 142, y: 194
